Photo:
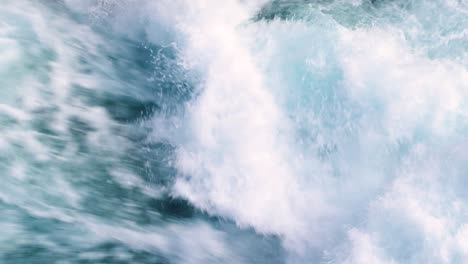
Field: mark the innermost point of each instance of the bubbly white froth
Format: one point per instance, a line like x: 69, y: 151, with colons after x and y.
x: 344, y: 140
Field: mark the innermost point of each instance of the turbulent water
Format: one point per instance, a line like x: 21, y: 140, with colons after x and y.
x: 208, y: 131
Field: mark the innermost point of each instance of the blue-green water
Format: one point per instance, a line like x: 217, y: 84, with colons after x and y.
x: 208, y: 131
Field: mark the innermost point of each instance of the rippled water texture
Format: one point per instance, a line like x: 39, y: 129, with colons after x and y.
x: 206, y: 131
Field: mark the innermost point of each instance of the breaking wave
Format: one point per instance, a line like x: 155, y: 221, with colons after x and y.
x: 233, y: 131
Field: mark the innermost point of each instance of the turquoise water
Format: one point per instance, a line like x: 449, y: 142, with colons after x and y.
x: 231, y: 131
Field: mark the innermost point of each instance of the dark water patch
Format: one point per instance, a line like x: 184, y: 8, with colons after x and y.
x: 126, y: 109
x: 173, y: 207
x: 44, y: 118
x: 345, y: 13
x: 31, y: 253
x: 281, y: 9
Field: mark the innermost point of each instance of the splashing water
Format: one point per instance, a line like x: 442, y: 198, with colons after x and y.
x: 233, y: 131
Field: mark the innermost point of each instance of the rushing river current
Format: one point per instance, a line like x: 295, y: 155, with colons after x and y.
x: 234, y: 131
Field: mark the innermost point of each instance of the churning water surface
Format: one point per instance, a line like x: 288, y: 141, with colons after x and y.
x: 208, y: 131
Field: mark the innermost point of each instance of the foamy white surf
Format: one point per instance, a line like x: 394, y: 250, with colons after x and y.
x: 343, y: 136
